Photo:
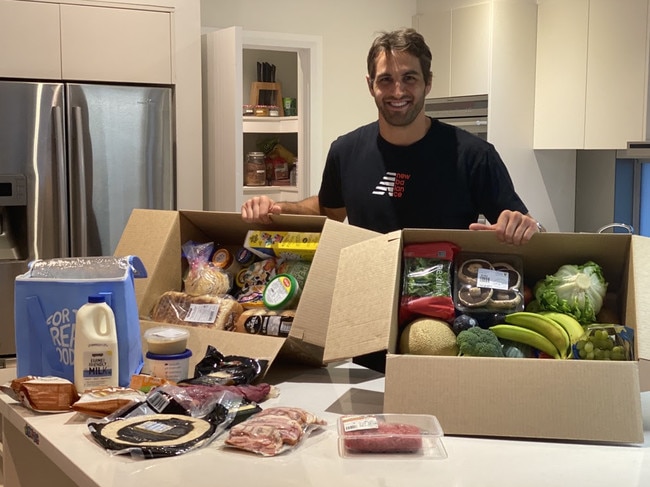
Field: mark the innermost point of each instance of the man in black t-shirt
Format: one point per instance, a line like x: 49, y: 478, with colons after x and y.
x: 406, y: 170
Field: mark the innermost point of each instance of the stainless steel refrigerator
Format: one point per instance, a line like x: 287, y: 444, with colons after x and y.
x: 75, y: 159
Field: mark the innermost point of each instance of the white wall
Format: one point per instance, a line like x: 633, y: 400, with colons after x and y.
x: 347, y: 28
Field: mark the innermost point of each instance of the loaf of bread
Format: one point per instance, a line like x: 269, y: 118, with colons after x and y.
x: 179, y: 308
x: 207, y: 279
x: 263, y: 321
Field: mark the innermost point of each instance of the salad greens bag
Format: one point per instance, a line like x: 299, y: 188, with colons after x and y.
x: 427, y: 277
x: 47, y: 298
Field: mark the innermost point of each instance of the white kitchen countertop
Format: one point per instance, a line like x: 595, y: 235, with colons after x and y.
x: 31, y: 440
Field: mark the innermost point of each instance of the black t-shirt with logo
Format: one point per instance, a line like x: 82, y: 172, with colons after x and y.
x: 444, y: 180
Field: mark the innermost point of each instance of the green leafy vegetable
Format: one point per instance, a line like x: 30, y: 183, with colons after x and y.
x: 427, y: 277
x: 479, y: 342
x: 576, y: 290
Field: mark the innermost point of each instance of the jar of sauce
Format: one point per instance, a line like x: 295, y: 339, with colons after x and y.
x: 255, y: 169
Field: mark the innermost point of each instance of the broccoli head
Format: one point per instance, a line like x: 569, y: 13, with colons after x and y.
x: 479, y: 342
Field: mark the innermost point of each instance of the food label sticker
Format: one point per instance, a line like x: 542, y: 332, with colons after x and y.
x: 492, y: 279
x: 202, y: 313
x: 357, y: 423
x: 154, y: 427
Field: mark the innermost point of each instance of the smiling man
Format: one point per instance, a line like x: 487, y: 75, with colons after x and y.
x: 406, y: 170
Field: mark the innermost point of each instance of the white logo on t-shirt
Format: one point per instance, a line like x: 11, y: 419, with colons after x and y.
x: 386, y: 185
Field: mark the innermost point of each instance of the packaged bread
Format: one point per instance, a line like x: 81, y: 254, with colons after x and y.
x: 43, y: 394
x: 203, y: 277
x: 179, y: 308
x: 102, y: 402
x: 264, y: 321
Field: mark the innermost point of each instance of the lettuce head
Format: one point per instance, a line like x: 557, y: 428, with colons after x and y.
x: 576, y: 290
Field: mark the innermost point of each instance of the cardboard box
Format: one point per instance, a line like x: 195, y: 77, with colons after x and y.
x: 156, y: 236
x: 508, y: 397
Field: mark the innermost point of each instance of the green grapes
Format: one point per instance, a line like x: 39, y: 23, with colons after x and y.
x: 599, y: 345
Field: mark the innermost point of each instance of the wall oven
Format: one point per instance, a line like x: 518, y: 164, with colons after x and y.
x: 467, y: 112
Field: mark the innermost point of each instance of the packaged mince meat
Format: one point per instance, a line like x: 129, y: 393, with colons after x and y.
x: 427, y: 277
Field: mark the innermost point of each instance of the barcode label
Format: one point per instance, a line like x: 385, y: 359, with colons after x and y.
x: 360, y: 423
x: 488, y: 278
x: 202, y: 313
x: 158, y: 401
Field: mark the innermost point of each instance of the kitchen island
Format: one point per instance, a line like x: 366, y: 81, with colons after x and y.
x: 57, y: 450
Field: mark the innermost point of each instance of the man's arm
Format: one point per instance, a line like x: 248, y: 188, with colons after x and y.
x: 259, y: 209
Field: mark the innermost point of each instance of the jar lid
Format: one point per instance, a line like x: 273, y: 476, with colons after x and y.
x: 166, y: 334
x: 222, y: 258
x: 244, y: 256
x: 280, y: 291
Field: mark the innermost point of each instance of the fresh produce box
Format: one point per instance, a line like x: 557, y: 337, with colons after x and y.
x: 582, y: 382
x: 157, y: 237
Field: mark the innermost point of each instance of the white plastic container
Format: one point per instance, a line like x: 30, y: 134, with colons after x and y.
x: 166, y: 340
x: 174, y: 367
x: 96, y: 359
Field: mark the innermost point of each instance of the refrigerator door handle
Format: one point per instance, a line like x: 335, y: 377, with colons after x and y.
x: 59, y: 147
x: 78, y: 191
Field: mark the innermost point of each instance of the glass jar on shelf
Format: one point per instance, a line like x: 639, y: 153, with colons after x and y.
x: 255, y: 169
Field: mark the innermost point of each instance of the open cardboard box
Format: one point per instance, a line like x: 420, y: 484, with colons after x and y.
x: 503, y: 397
x: 156, y: 236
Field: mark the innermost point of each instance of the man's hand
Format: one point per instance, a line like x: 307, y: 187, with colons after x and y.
x: 259, y: 209
x: 512, y: 227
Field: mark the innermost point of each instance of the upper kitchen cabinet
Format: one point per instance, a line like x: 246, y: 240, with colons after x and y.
x: 591, y: 74
x: 82, y: 42
x: 116, y: 44
x: 459, y: 40
x: 30, y: 36
x: 230, y: 74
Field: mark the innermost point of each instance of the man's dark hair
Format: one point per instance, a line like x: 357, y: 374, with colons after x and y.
x: 404, y: 40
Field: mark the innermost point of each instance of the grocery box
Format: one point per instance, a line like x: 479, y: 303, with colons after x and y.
x: 156, y: 237
x: 503, y: 397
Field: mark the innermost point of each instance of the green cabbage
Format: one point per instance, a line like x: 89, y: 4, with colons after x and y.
x: 576, y: 290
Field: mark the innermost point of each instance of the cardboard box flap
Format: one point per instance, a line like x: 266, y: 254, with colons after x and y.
x: 312, y: 316
x: 161, y: 262
x: 638, y: 295
x: 365, y: 298
x: 227, y: 342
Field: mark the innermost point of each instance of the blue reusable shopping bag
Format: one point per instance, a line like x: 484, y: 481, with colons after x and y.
x: 47, y: 297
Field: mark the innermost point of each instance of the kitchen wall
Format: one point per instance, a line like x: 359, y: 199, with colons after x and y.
x: 545, y: 180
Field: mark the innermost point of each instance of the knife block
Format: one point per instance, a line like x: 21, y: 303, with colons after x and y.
x: 276, y: 97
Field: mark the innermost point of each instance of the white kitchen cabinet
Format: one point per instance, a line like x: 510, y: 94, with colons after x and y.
x: 591, y: 74
x: 30, y: 36
x: 229, y: 135
x: 459, y: 39
x: 110, y: 44
x: 83, y: 42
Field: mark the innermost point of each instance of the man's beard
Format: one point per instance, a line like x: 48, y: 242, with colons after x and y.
x: 401, y: 119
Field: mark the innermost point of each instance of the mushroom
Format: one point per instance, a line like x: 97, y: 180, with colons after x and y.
x: 505, y: 299
x: 473, y: 296
x: 514, y: 278
x: 468, y: 270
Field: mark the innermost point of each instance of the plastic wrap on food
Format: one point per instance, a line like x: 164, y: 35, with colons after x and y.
x: 274, y: 430
x: 217, y: 368
x: 103, y: 267
x: 164, y: 425
x: 203, y: 277
x: 179, y: 308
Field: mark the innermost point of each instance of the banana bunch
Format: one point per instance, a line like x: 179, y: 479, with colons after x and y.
x: 550, y: 332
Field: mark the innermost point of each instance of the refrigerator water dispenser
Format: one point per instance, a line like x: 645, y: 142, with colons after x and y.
x: 13, y: 215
